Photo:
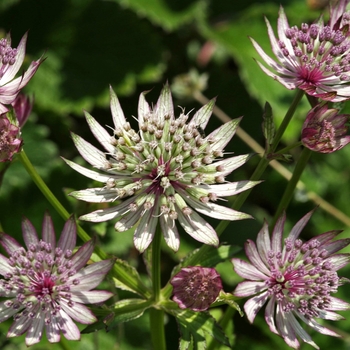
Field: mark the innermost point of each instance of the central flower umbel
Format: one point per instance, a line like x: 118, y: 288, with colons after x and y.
x: 39, y: 276
x: 164, y: 172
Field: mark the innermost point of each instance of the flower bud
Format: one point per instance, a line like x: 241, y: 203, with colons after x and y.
x: 196, y: 287
x: 324, y: 130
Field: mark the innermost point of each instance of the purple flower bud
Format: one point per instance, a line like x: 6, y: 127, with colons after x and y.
x: 196, y: 287
x: 324, y: 130
x: 10, y: 142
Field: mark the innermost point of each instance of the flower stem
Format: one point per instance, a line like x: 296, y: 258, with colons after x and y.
x: 288, y: 148
x: 156, y: 315
x: 157, y: 328
x: 117, y: 272
x: 287, y: 118
x: 288, y: 192
x: 44, y: 189
x: 264, y: 162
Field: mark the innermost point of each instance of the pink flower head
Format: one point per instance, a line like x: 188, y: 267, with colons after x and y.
x: 10, y: 62
x: 22, y: 106
x: 296, y: 279
x: 314, y: 58
x: 196, y: 287
x: 324, y: 130
x: 10, y: 141
x: 46, y: 285
x: 165, y: 173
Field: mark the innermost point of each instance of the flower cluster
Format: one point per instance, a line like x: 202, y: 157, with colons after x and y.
x: 196, y: 287
x: 314, y: 58
x: 11, y: 60
x: 324, y: 130
x: 296, y: 279
x: 10, y: 142
x: 163, y: 173
x: 46, y: 284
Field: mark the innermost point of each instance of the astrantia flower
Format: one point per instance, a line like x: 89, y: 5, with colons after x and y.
x: 324, y: 130
x: 163, y: 173
x: 46, y: 285
x: 314, y: 58
x: 196, y: 287
x: 10, y: 141
x: 10, y: 62
x: 296, y: 279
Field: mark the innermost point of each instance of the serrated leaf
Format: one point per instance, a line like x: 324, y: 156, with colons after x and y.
x: 198, y: 324
x: 186, y: 340
x: 127, y: 310
x: 159, y: 13
x: 132, y: 276
x: 229, y: 299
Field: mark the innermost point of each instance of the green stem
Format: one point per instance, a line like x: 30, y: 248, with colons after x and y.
x: 288, y: 148
x: 289, y: 191
x: 264, y: 162
x: 118, y: 272
x: 287, y: 118
x: 157, y: 315
x: 45, y: 190
x: 157, y: 328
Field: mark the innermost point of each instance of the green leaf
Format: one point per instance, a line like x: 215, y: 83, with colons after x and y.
x: 268, y: 125
x: 229, y: 299
x: 86, y: 52
x: 186, y: 340
x: 198, y: 325
x: 123, y: 311
x: 130, y: 274
x: 211, y: 259
x: 127, y: 310
x: 160, y: 14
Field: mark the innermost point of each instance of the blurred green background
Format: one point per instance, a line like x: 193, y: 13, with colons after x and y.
x: 138, y: 45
